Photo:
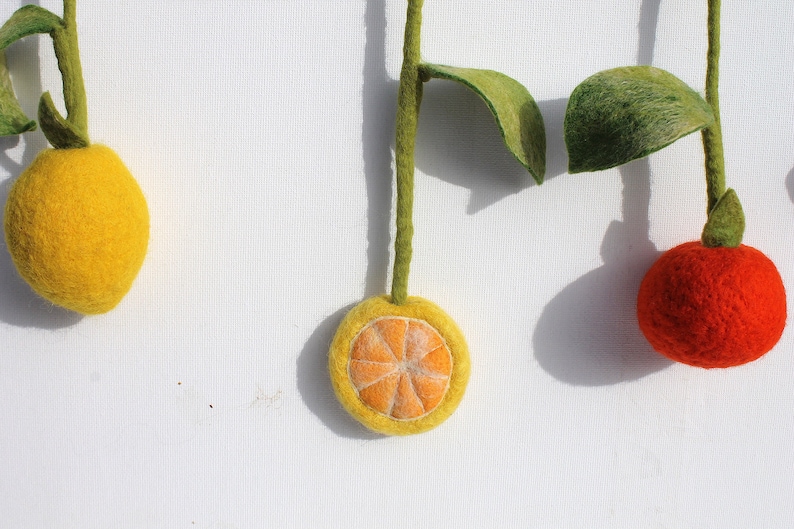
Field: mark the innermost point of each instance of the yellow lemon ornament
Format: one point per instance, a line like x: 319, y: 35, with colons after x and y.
x: 76, y: 222
x: 77, y: 227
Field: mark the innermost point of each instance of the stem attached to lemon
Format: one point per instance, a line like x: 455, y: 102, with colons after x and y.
x: 68, y: 55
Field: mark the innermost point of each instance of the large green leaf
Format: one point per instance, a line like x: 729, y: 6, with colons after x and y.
x: 12, y: 119
x: 623, y: 114
x: 28, y: 20
x: 517, y: 115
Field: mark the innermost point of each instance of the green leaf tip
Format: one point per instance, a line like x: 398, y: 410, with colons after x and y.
x: 61, y: 133
x: 13, y: 120
x: 28, y: 20
x: 516, y: 112
x: 623, y: 114
x: 725, y: 225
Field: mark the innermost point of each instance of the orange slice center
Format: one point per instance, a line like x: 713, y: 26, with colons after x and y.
x: 400, y: 367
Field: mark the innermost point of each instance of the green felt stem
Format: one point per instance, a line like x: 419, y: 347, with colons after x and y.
x: 409, y: 98
x: 712, y: 135
x: 68, y: 55
x: 725, y: 225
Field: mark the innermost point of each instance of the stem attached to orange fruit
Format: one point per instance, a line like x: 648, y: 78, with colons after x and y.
x: 712, y: 135
x: 725, y: 224
x: 409, y: 98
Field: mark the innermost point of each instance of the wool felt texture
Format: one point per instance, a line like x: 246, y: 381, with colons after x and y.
x: 712, y: 135
x: 12, y: 118
x: 623, y: 114
x: 517, y: 114
x: 725, y: 224
x: 62, y: 133
x: 68, y: 55
x: 77, y: 227
x: 27, y: 20
x: 409, y: 99
x: 400, y: 367
x: 712, y: 307
x: 370, y: 334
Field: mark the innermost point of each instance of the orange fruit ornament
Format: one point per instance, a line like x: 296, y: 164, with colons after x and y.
x: 399, y: 369
x: 712, y: 307
x: 709, y: 303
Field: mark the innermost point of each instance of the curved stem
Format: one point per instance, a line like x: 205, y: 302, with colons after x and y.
x: 68, y: 55
x: 409, y: 98
x: 712, y: 135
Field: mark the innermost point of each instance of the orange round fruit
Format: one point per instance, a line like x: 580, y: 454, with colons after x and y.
x: 399, y: 369
x: 712, y: 307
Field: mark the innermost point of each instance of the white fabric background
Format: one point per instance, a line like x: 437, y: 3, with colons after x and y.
x: 261, y: 134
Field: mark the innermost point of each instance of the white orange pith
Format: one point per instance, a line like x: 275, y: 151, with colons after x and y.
x: 400, y: 367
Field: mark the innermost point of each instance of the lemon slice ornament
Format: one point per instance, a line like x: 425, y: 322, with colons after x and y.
x: 712, y: 303
x: 399, y: 364
x: 76, y: 222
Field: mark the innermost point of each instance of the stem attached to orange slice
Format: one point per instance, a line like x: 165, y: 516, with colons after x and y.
x: 409, y: 98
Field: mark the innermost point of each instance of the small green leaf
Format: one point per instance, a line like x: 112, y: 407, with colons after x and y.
x: 28, y: 20
x: 59, y: 132
x: 725, y: 226
x: 623, y: 114
x: 517, y: 115
x: 12, y: 119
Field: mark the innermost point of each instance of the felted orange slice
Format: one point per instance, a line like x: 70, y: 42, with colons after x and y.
x: 399, y: 369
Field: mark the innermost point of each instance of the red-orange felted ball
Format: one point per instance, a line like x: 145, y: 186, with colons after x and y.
x: 712, y: 307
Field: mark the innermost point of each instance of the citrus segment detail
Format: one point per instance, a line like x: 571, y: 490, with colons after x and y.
x: 400, y: 367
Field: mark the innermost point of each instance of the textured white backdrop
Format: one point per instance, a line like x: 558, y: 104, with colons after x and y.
x: 261, y: 134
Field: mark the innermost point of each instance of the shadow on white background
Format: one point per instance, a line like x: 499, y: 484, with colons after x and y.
x: 19, y: 305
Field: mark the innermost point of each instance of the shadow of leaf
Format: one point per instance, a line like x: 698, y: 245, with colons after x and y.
x: 588, y: 333
x: 459, y: 142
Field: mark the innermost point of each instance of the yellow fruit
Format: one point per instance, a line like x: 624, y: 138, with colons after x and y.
x: 77, y: 227
x: 399, y: 369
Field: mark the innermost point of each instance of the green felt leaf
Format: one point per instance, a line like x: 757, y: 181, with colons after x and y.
x: 623, y: 114
x: 12, y: 119
x: 59, y: 132
x: 28, y: 20
x: 517, y: 115
x: 725, y: 225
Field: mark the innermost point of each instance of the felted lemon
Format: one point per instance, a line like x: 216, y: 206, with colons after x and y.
x: 77, y: 227
x: 76, y: 222
x: 399, y: 369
